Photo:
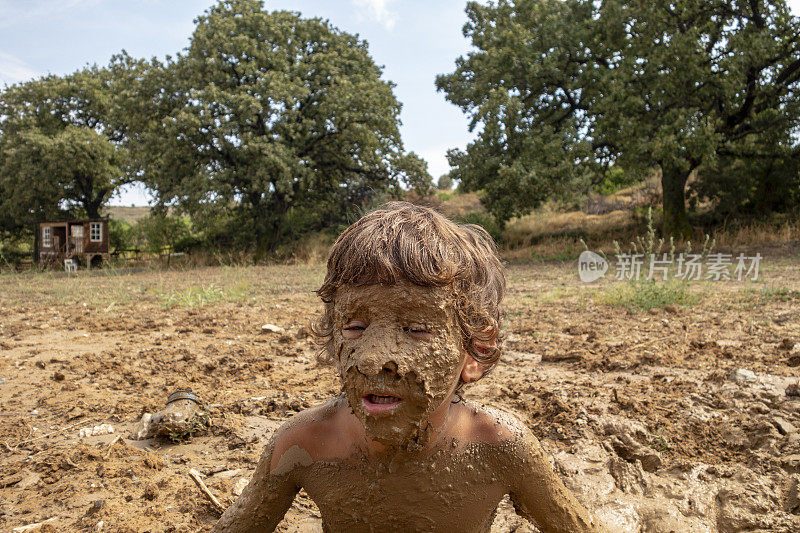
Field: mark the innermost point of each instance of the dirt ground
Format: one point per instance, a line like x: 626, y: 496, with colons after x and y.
x: 675, y: 419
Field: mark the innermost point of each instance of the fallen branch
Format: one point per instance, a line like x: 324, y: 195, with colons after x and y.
x: 195, y: 475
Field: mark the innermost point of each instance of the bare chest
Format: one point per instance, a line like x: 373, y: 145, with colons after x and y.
x: 427, y: 495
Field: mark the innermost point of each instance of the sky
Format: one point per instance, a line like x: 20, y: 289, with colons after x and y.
x: 414, y: 40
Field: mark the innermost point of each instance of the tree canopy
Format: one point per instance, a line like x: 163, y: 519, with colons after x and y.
x: 270, y: 114
x: 563, y: 89
x: 62, y: 142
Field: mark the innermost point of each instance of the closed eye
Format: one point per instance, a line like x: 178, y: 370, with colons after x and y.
x: 353, y: 329
x: 418, y: 331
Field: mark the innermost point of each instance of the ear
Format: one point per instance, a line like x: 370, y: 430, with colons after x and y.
x: 472, y: 370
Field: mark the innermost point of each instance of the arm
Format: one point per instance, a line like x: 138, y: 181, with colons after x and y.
x: 538, y: 493
x: 265, y: 499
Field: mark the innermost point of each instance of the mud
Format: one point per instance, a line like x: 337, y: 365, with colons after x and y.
x: 389, y: 358
x: 605, y: 392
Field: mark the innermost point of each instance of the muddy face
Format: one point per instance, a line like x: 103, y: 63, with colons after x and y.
x: 399, y: 356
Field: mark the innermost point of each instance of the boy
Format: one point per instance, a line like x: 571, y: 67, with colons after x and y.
x: 412, y: 313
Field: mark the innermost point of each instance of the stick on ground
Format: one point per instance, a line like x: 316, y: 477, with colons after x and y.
x: 195, y: 475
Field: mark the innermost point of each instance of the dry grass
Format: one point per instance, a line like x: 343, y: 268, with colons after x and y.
x: 110, y: 288
x: 758, y: 233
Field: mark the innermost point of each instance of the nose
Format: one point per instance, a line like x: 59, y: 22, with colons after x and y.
x: 377, y: 353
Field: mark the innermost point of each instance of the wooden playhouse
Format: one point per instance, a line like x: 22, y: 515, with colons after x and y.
x: 83, y: 241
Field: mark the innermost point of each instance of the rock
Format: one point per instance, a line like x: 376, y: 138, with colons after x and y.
x: 741, y: 375
x: 240, y: 485
x: 271, y: 328
x: 784, y: 426
x: 58, y: 376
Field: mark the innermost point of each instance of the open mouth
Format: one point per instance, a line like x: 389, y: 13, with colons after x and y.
x: 377, y: 403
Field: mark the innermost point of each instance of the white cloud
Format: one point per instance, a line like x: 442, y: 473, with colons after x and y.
x: 13, y: 70
x: 379, y: 11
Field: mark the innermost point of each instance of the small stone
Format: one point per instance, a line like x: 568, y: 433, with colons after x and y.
x: 98, y: 526
x: 784, y: 426
x: 271, y: 328
x: 58, y: 376
x: 740, y: 375
x: 786, y: 345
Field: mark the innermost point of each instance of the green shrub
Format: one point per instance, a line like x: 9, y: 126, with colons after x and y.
x: 615, y: 180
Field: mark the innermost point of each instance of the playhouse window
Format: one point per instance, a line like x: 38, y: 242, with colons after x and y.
x: 47, y: 235
x: 96, y: 232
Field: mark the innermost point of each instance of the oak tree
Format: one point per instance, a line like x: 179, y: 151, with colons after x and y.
x: 562, y: 89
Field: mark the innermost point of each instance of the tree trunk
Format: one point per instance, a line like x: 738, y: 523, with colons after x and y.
x: 675, y: 221
x: 92, y: 207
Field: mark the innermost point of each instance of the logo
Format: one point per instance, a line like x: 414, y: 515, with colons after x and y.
x: 591, y: 266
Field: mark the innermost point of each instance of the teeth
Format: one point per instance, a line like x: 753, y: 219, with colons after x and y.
x: 374, y: 398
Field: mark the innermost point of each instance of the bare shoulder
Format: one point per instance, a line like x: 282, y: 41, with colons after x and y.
x: 320, y: 433
x: 492, y: 425
x: 489, y: 424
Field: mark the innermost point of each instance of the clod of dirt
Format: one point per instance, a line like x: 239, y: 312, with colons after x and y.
x: 58, y: 376
x: 786, y: 345
x: 630, y: 450
x: 151, y: 492
x: 784, y: 426
x: 793, y: 390
x: 95, y: 507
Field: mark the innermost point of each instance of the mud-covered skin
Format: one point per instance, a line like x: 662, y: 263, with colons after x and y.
x: 387, y: 358
x: 455, y: 486
x: 428, y: 464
